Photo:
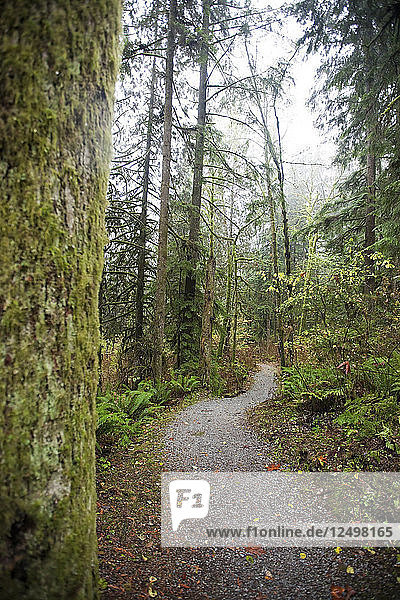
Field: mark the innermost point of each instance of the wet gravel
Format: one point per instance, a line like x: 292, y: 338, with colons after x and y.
x: 215, y: 435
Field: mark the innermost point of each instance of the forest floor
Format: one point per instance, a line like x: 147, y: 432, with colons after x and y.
x: 217, y: 434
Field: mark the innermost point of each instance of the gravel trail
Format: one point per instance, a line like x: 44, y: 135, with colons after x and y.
x: 215, y: 434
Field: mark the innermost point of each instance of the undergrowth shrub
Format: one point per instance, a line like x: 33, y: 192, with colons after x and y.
x: 230, y: 377
x: 380, y: 374
x: 314, y: 389
x: 369, y: 416
x: 182, y: 384
x: 120, y: 415
x: 366, y: 400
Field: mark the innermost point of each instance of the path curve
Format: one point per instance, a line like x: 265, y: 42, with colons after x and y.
x: 215, y: 434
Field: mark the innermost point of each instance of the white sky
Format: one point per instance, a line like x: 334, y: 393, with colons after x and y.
x: 302, y: 140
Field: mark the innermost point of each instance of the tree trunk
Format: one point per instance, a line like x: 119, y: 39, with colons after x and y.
x: 206, y: 325
x: 189, y: 313
x: 370, y: 222
x: 278, y: 295
x: 274, y: 251
x: 312, y: 246
x: 208, y: 308
x: 281, y: 178
x: 226, y: 325
x: 141, y: 269
x: 58, y: 64
x: 235, y: 306
x: 369, y: 232
x: 161, y: 282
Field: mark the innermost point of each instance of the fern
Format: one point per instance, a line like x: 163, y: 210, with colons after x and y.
x: 121, y: 416
x: 183, y: 384
x: 314, y: 388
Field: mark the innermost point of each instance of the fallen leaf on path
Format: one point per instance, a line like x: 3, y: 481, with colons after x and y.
x: 257, y: 550
x: 337, y: 592
x: 342, y: 593
x: 268, y: 575
x: 249, y: 559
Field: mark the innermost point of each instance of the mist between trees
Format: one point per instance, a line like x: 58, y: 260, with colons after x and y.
x: 251, y: 242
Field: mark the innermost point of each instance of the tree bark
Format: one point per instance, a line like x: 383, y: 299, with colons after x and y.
x: 141, y: 269
x: 189, y: 313
x: 208, y: 307
x: 370, y: 222
x: 226, y: 325
x: 161, y: 282
x: 235, y: 306
x: 312, y: 246
x: 278, y: 295
x: 58, y: 64
x: 206, y: 325
x: 281, y: 178
x: 275, y: 264
x: 369, y: 232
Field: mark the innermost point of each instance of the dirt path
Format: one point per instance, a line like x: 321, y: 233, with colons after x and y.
x: 214, y: 435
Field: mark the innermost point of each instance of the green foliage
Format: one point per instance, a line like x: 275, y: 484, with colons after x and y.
x: 182, y: 384
x: 371, y: 415
x: 121, y: 415
x: 316, y: 389
x: 366, y: 401
x: 381, y: 374
x: 376, y: 413
x: 240, y: 370
x: 216, y: 381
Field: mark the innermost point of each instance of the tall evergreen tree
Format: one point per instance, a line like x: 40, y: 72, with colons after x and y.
x: 360, y: 91
x: 161, y: 282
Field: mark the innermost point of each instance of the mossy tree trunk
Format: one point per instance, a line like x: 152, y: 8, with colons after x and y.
x: 226, y: 325
x: 205, y: 357
x: 190, y: 321
x: 58, y: 64
x: 161, y: 281
x: 143, y: 224
x: 370, y: 237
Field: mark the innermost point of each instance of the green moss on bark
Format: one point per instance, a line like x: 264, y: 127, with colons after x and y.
x: 58, y: 63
